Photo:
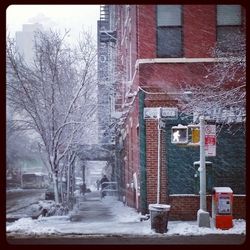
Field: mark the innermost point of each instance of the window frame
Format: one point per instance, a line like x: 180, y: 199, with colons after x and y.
x: 239, y: 26
x: 181, y: 52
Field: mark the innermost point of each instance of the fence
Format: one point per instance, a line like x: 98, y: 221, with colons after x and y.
x: 109, y: 188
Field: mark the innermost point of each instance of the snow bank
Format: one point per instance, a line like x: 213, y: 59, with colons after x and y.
x: 61, y: 224
x: 29, y: 226
x: 191, y: 228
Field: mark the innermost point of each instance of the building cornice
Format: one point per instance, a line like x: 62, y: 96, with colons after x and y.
x: 179, y: 60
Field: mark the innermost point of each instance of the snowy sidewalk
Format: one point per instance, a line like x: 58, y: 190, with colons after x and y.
x: 91, y: 208
x: 121, y: 220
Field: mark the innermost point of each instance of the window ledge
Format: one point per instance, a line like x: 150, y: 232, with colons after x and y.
x: 178, y: 60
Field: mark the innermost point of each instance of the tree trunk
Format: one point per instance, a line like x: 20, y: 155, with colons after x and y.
x: 55, y: 182
x: 61, y: 187
x: 68, y: 183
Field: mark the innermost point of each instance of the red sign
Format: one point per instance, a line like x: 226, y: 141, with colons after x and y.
x: 210, y: 140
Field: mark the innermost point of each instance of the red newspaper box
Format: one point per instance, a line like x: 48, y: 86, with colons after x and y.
x: 222, y: 204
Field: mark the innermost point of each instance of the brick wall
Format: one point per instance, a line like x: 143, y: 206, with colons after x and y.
x: 198, y: 37
x: 186, y: 207
x: 168, y: 76
x: 199, y: 30
x: 132, y: 154
x: 151, y: 160
x: 146, y: 31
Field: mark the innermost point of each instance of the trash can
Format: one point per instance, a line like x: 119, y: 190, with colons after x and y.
x: 222, y: 206
x: 159, y: 217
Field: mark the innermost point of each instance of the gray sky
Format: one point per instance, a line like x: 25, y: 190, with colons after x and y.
x: 75, y: 17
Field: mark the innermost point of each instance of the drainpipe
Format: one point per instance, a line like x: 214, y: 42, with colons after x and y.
x: 142, y: 142
x: 159, y: 162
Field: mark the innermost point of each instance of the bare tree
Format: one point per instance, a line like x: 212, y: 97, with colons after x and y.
x: 222, y: 96
x: 52, y: 92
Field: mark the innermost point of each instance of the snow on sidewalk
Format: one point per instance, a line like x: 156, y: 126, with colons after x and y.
x: 125, y: 221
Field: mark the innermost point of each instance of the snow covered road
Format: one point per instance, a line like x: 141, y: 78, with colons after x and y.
x: 21, y: 198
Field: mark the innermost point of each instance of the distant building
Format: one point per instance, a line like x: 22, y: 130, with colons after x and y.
x: 25, y: 40
x: 157, y: 47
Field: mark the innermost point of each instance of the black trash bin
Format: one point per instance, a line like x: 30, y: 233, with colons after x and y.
x: 159, y: 217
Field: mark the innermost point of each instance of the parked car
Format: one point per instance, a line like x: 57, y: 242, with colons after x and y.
x: 49, y: 193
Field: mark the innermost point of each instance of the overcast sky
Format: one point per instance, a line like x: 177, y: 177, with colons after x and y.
x: 57, y: 17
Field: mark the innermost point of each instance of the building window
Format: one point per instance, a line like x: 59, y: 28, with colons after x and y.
x: 169, y: 31
x: 228, y: 27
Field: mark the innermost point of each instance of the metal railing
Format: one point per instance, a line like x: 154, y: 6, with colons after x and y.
x: 109, y: 188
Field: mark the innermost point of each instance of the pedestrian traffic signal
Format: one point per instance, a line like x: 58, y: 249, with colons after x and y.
x: 179, y: 134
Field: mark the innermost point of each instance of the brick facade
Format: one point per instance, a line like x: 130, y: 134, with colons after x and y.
x: 186, y: 207
x: 137, y: 43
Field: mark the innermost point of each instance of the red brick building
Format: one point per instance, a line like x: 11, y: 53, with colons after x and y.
x: 158, y: 47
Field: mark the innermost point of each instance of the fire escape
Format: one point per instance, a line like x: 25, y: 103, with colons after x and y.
x: 106, y: 65
x: 106, y: 35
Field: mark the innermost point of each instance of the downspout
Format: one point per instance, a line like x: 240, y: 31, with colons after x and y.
x: 159, y: 163
x: 142, y: 143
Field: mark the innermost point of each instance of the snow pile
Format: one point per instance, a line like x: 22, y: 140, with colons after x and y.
x: 191, y: 228
x: 61, y: 224
x: 29, y: 226
x: 57, y: 209
x: 47, y: 208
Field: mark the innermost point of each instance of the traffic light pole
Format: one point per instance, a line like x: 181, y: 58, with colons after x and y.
x: 202, y: 168
x: 203, y: 217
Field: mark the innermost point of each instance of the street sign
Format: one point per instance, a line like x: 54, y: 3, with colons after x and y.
x: 152, y: 113
x: 169, y: 113
x: 210, y: 129
x: 161, y: 112
x: 210, y: 140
